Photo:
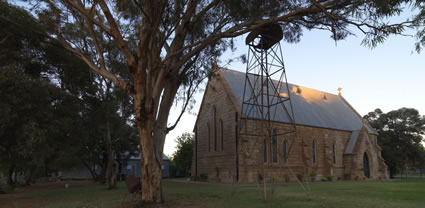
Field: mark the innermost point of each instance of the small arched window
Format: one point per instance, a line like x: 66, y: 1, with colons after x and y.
x: 285, y: 151
x: 334, y: 153
x: 274, y: 146
x: 314, y: 151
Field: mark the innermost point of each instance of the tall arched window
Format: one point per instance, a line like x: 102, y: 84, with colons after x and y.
x: 314, y: 151
x: 274, y: 146
x: 366, y: 167
x: 215, y: 128
x: 285, y: 151
x: 265, y: 151
x: 209, y: 137
x: 222, y: 134
x: 334, y: 153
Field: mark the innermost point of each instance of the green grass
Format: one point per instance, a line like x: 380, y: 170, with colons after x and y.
x: 401, y: 193
x: 405, y: 193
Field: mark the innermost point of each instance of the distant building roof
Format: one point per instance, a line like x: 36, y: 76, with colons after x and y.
x: 311, y: 107
x: 137, y: 157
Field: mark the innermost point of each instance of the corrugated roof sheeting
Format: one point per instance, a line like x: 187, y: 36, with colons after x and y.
x: 311, y: 107
x: 352, y: 142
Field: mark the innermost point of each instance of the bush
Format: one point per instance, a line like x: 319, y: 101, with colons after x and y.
x: 313, y: 174
x: 260, y: 177
x: 330, y: 177
x: 300, y: 177
x: 4, y: 188
x: 287, y: 178
x: 203, y: 176
x: 195, y: 178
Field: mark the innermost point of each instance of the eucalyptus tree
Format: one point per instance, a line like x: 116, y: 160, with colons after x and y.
x: 400, y: 136
x: 168, y: 47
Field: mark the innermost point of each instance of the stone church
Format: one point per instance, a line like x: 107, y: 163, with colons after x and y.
x: 332, y: 138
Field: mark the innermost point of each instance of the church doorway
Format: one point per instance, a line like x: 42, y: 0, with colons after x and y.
x: 366, y: 165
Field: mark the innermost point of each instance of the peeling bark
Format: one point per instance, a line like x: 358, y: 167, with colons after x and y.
x: 112, y: 184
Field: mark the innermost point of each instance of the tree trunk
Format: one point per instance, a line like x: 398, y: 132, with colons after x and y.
x: 152, y: 127
x: 28, y: 178
x: 15, y: 181
x: 119, y: 167
x: 91, y: 170
x: 10, y: 175
x: 101, y: 178
x: 110, y: 168
x: 150, y: 170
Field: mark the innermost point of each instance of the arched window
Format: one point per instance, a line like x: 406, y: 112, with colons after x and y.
x: 215, y: 128
x: 334, y: 153
x: 265, y: 151
x: 314, y: 151
x: 366, y: 169
x: 274, y: 146
x: 209, y: 137
x: 222, y: 134
x: 285, y: 151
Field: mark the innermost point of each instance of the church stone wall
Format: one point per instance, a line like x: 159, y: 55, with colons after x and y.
x: 220, y: 165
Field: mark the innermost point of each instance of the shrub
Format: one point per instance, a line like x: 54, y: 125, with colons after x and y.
x: 260, y: 177
x: 286, y: 176
x: 329, y: 177
x: 195, y: 178
x: 300, y: 177
x: 313, y: 174
x: 203, y: 176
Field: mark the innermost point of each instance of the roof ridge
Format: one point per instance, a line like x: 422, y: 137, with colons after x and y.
x: 226, y: 69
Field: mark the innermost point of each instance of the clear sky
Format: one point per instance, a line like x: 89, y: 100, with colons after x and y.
x: 388, y: 77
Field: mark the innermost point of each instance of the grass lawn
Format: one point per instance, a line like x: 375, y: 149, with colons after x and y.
x: 401, y: 193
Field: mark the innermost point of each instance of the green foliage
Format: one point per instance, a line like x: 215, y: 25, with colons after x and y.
x: 260, y: 177
x: 329, y: 177
x: 182, y: 157
x: 52, y: 114
x: 300, y: 177
x: 286, y: 177
x: 203, y: 176
x: 400, y: 136
x: 313, y: 174
x: 195, y: 178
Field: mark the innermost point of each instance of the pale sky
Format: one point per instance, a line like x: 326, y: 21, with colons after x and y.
x: 388, y: 77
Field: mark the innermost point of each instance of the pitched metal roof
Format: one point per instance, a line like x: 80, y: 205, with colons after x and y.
x: 352, y: 142
x: 311, y: 107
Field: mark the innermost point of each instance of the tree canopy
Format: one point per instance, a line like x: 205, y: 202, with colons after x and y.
x: 52, y: 115
x: 182, y: 157
x: 400, y: 136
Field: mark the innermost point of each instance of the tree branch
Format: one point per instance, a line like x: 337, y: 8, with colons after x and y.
x: 131, y: 61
